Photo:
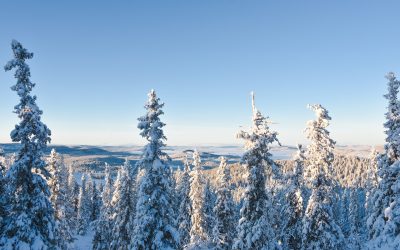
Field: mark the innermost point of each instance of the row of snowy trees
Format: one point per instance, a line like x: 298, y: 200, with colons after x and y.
x: 307, y: 207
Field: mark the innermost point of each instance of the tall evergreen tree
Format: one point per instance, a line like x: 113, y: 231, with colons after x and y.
x: 154, y: 223
x: 372, y: 180
x: 71, y: 209
x: 381, y: 229
x: 124, y: 209
x: 103, y: 237
x: 199, y: 237
x: 320, y: 230
x: 96, y: 203
x: 224, y: 228
x: 93, y: 199
x: 293, y: 210
x: 185, y: 207
x: 83, y: 208
x: 209, y: 202
x: 30, y: 222
x: 58, y: 188
x: 2, y: 190
x: 392, y: 124
x: 356, y: 217
x: 255, y: 230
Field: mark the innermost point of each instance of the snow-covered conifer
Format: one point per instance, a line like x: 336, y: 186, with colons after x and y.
x: 2, y: 163
x: 2, y: 190
x: 185, y: 207
x: 390, y: 236
x: 255, y: 229
x: 293, y: 210
x: 102, y: 237
x: 30, y: 221
x: 209, y: 202
x: 372, y: 180
x: 93, y: 199
x: 356, y: 217
x: 320, y: 230
x: 381, y: 229
x: 124, y: 209
x: 199, y: 237
x: 83, y: 219
x: 71, y: 208
x: 96, y: 203
x: 224, y: 228
x: 58, y: 198
x: 154, y: 222
x: 392, y: 124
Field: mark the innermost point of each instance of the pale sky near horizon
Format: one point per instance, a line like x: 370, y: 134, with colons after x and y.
x: 95, y: 61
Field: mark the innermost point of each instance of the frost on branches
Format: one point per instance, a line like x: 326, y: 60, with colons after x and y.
x: 255, y: 230
x: 30, y: 222
x: 154, y: 222
x: 320, y: 230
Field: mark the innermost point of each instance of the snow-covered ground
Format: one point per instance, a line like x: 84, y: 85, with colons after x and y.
x: 83, y: 242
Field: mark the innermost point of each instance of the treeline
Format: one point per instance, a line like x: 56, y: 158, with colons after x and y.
x: 318, y: 200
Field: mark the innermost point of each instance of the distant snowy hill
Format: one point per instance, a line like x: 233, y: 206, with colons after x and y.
x: 97, y: 156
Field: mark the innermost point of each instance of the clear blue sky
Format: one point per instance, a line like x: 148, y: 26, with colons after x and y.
x: 95, y: 61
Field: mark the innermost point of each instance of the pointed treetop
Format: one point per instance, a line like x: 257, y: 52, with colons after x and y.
x: 253, y: 104
x: 186, y: 163
x: 222, y: 160
x: 323, y: 117
x: 196, y: 160
x: 300, y: 152
x: 391, y: 76
x: 19, y: 51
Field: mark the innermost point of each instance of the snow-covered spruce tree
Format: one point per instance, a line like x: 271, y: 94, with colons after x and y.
x: 255, y: 229
x: 96, y: 203
x: 2, y: 163
x: 83, y: 208
x: 58, y: 198
x: 224, y: 228
x: 356, y: 219
x: 154, y: 223
x: 390, y: 237
x: 103, y: 237
x: 89, y: 193
x: 124, y: 209
x: 2, y: 190
x: 30, y: 222
x: 93, y: 199
x: 388, y: 170
x: 199, y: 237
x: 185, y: 207
x: 320, y: 230
x: 209, y: 202
x: 71, y: 207
x: 343, y: 212
x: 392, y: 124
x: 293, y: 210
x: 372, y: 180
